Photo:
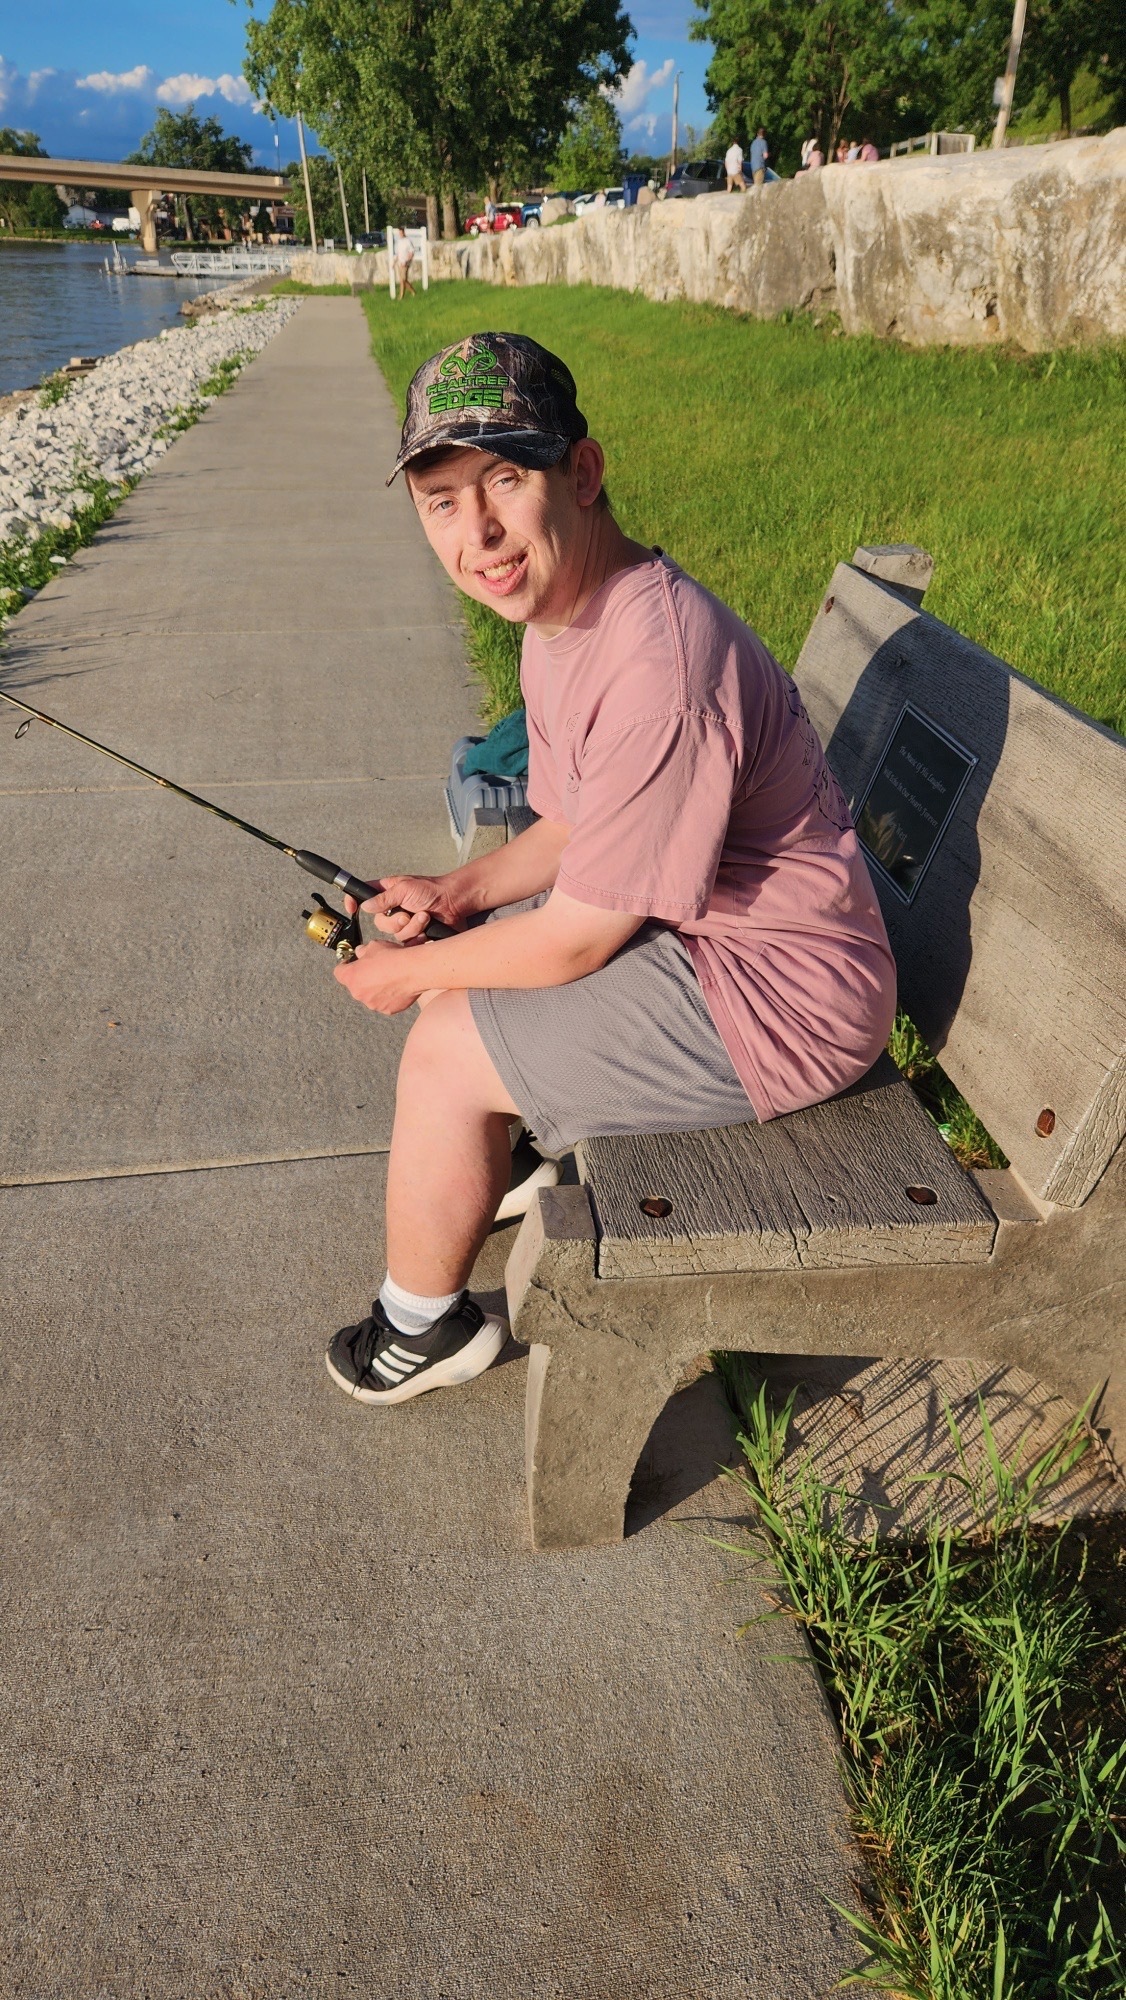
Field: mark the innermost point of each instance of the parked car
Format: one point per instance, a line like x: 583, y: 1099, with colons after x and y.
x: 530, y: 216
x: 375, y: 241
x: 703, y: 177
x: 615, y: 198
x: 509, y: 215
x: 695, y: 177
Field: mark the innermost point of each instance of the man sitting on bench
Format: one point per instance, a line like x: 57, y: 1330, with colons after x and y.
x: 704, y: 945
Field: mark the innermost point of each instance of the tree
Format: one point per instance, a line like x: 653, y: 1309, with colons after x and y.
x: 28, y: 204
x: 180, y: 139
x: 961, y: 47
x: 1064, y: 36
x: 798, y: 68
x: 436, y: 95
x: 590, y: 151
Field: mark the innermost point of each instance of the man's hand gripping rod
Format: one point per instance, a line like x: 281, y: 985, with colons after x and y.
x: 332, y: 928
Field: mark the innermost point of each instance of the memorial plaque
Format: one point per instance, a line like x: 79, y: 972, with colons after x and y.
x: 910, y: 801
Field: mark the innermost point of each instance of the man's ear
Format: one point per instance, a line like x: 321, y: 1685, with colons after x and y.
x: 588, y: 461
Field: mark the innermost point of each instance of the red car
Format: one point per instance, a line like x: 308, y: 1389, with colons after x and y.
x: 508, y: 216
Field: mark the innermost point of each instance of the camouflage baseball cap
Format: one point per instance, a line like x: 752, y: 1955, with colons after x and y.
x: 498, y: 392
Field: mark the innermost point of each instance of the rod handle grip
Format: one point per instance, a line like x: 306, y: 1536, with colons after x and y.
x: 327, y: 871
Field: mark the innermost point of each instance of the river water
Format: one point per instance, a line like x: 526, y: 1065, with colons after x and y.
x: 56, y: 300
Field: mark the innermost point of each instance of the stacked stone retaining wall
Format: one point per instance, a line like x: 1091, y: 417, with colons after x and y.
x: 1025, y: 246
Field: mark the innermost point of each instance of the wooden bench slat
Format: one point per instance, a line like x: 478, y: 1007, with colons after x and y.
x: 824, y: 1188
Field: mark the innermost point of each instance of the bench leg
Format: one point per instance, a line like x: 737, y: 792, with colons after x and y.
x: 589, y: 1411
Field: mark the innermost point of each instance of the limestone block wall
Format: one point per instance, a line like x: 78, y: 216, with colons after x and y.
x: 1026, y: 246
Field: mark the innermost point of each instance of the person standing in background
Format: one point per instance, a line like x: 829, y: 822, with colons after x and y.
x: 760, y: 153
x: 868, y: 152
x: 733, y: 167
x: 404, y: 258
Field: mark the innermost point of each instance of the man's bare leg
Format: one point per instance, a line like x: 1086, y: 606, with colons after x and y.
x: 450, y: 1151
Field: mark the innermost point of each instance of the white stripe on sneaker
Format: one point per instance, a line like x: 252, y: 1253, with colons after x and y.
x: 388, y: 1373
x: 398, y: 1354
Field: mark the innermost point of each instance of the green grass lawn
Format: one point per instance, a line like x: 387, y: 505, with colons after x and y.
x: 760, y: 454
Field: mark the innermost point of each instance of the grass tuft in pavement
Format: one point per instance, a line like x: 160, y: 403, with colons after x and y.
x: 977, y: 1682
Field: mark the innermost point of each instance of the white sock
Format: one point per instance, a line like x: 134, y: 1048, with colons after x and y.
x: 412, y: 1312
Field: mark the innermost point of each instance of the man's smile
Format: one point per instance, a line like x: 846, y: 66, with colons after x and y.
x: 503, y: 577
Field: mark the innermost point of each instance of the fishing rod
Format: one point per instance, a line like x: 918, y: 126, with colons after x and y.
x: 334, y: 929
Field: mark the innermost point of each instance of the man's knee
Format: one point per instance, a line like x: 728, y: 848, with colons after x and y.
x: 431, y: 1046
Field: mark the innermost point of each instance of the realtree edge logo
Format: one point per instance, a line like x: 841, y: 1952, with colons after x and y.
x: 481, y: 386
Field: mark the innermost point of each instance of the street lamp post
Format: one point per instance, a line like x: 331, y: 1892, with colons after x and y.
x: 675, y: 114
x: 305, y: 177
x: 1007, y: 83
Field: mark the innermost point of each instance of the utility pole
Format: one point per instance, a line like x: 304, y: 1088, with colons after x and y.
x: 367, y: 218
x: 675, y: 113
x: 343, y: 203
x: 1007, y: 83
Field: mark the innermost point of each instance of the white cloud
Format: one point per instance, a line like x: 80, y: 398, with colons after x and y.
x: 635, y: 88
x: 103, y: 114
x: 646, y: 124
x: 110, y: 80
x: 185, y: 88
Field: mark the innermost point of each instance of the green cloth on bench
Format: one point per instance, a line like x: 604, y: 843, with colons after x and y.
x: 504, y: 752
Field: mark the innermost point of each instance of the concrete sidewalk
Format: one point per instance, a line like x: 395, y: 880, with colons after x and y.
x: 289, y: 1706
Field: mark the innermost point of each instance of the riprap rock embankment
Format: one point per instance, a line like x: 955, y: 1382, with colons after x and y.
x: 114, y: 423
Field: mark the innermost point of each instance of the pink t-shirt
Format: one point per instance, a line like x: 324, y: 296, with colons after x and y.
x: 677, y: 750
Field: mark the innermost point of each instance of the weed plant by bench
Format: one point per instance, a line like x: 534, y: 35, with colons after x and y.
x: 977, y: 1683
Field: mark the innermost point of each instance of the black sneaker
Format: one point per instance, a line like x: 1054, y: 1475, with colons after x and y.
x: 376, y: 1363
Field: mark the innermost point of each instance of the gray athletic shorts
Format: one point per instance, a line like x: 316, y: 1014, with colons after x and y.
x: 630, y: 1048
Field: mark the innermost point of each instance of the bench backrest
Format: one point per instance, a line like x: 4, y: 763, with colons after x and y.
x: 997, y: 818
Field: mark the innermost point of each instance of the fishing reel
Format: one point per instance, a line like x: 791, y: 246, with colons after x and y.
x: 333, y: 929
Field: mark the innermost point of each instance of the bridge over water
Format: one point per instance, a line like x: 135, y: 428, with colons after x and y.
x: 145, y: 184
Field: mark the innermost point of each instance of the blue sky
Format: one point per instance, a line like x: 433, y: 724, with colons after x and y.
x: 89, y: 80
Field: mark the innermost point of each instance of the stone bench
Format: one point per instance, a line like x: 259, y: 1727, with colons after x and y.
x: 999, y: 816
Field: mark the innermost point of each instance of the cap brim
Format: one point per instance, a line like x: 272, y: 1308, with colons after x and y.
x: 538, y: 450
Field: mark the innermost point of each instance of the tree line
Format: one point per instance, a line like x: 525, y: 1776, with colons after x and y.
x: 889, y: 69
x: 438, y: 95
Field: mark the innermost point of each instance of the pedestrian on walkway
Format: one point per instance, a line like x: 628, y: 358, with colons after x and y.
x: 404, y: 258
x: 698, y: 943
x: 733, y: 167
x: 760, y: 154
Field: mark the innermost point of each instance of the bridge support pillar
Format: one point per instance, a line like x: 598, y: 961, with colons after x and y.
x: 144, y: 201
